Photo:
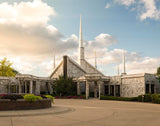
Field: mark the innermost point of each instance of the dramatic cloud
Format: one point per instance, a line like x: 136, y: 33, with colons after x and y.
x: 149, y: 10
x: 26, y: 13
x: 147, y: 64
x: 145, y: 8
x: 125, y: 2
x: 29, y: 41
x: 102, y: 41
x: 26, y: 35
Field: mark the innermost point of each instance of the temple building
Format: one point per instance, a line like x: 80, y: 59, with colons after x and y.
x: 89, y: 79
x: 25, y: 84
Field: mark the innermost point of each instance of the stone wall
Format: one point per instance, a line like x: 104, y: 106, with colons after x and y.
x: 73, y: 69
x: 58, y: 71
x: 6, y: 83
x: 151, y: 79
x: 132, y: 86
x: 11, y: 85
x: 6, y: 104
x: 115, y: 80
x: 89, y: 68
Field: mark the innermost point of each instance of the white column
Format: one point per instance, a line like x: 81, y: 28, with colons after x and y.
x: 31, y: 87
x: 25, y: 87
x: 150, y: 87
x: 108, y: 88
x: 87, y: 89
x: 19, y: 82
x: 78, y: 88
x: 114, y: 90
x: 38, y: 87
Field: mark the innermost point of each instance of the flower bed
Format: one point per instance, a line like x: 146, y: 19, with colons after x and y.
x: 22, y: 101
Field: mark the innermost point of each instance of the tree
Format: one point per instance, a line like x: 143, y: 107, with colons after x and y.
x: 158, y: 73
x: 64, y: 86
x: 5, y: 68
x: 15, y: 71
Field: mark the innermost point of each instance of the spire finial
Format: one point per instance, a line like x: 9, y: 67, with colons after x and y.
x: 80, y: 34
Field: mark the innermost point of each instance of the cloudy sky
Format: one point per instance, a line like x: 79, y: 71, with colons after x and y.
x: 32, y: 31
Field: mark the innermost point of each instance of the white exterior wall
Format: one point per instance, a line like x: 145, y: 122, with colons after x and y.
x: 132, y: 86
x: 115, y: 80
x: 73, y: 70
x: 89, y: 68
x: 58, y: 72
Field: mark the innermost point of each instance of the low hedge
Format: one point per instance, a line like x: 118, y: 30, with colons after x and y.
x: 155, y: 98
x: 145, y: 98
x: 103, y: 97
x: 31, y: 97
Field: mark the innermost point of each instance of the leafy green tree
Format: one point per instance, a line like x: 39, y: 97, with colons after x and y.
x: 64, y: 86
x: 158, y: 73
x: 5, y: 68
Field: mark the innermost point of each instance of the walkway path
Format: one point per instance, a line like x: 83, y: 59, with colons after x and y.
x: 86, y: 113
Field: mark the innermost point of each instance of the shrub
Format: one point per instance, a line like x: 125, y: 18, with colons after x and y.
x: 139, y: 98
x: 49, y: 96
x: 146, y: 98
x: 31, y: 97
x: 103, y: 97
x: 155, y: 98
x: 12, y: 96
x: 38, y: 97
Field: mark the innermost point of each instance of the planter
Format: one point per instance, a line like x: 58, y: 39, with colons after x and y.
x: 21, y: 104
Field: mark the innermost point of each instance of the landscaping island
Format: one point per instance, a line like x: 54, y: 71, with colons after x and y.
x: 25, y: 102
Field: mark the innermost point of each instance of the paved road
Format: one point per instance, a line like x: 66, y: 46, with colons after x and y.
x: 91, y: 112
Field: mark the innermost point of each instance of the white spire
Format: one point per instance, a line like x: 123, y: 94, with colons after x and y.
x: 95, y: 60
x: 81, y: 48
x: 124, y: 64
x: 80, y: 34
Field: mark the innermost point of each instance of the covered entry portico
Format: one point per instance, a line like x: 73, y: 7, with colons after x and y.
x: 95, y: 80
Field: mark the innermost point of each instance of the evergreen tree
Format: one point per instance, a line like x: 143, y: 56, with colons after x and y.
x: 64, y: 86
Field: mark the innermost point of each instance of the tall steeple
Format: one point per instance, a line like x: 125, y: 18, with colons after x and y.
x: 81, y: 48
x: 124, y: 64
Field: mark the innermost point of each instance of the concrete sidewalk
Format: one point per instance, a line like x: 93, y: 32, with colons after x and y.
x: 19, y: 113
